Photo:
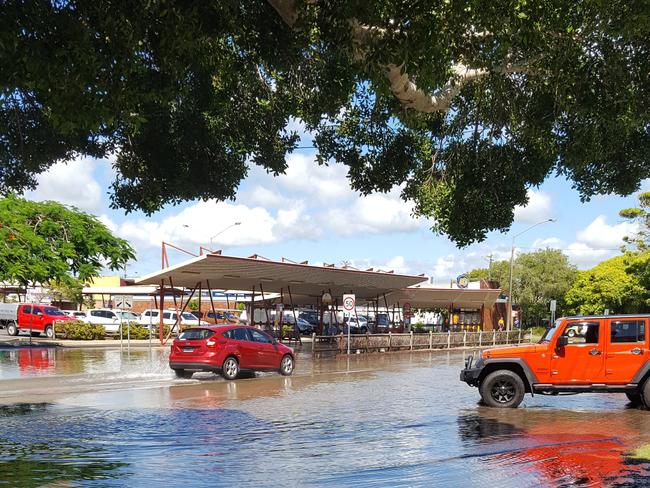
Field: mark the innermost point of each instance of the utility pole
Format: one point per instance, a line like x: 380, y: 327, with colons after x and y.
x: 489, y: 258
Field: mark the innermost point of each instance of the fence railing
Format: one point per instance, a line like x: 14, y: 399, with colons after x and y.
x: 417, y: 341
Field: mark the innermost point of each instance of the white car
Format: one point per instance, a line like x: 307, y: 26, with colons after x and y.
x: 152, y: 316
x: 76, y: 314
x: 110, y: 319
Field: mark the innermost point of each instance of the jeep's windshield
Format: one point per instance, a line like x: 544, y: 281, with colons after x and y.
x: 548, y: 335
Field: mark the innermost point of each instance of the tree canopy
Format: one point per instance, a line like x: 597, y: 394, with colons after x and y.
x: 49, y: 242
x: 538, y: 278
x: 640, y: 240
x: 465, y: 105
x: 612, y: 285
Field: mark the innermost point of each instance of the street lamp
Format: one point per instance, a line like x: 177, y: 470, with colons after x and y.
x: 512, y: 255
x: 222, y: 231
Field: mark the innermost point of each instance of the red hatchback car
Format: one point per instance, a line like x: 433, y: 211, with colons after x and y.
x: 228, y: 349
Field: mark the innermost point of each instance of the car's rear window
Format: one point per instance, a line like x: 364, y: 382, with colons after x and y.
x: 194, y: 334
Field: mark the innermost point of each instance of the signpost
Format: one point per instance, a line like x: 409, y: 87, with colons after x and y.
x: 349, y: 305
x: 124, y: 302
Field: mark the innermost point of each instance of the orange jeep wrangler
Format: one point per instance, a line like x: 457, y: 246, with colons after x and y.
x: 609, y: 354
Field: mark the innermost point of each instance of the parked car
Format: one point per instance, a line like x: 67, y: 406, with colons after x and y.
x: 304, y: 327
x: 152, y: 316
x: 25, y: 317
x: 358, y: 325
x: 222, y: 317
x: 605, y: 354
x: 75, y: 314
x: 228, y: 349
x: 105, y: 317
x: 310, y: 316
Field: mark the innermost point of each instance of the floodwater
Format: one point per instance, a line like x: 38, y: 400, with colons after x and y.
x: 105, y: 418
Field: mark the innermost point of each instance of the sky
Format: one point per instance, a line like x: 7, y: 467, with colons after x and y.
x: 310, y: 213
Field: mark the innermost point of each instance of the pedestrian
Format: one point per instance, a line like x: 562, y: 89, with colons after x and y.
x: 501, y: 323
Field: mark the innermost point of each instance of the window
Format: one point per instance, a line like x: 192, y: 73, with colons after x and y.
x: 38, y: 311
x: 95, y: 313
x: 628, y: 331
x: 258, y: 336
x: 582, y: 332
x: 167, y: 315
x: 240, y: 335
x: 194, y: 334
x: 27, y: 309
x: 53, y: 311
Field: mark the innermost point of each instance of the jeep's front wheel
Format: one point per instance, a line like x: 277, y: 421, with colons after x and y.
x: 645, y: 394
x: 502, y: 389
x: 634, y: 397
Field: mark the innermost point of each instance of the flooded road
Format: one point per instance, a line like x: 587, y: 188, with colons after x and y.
x: 101, y: 418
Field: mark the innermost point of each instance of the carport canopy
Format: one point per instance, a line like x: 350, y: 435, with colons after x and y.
x: 420, y: 297
x: 219, y: 272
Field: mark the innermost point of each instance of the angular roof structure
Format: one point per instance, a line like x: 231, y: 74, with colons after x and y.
x: 217, y: 271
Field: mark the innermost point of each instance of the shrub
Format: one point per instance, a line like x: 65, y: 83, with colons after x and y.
x: 77, y: 330
x: 140, y: 332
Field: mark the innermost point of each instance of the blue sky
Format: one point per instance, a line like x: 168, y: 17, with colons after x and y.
x: 311, y: 214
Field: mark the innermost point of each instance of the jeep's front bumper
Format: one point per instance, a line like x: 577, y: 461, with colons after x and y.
x: 471, y: 373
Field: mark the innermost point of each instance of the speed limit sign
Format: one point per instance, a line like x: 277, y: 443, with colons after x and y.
x: 349, y: 302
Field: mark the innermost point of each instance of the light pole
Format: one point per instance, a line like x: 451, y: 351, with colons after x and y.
x: 222, y: 231
x: 512, y: 255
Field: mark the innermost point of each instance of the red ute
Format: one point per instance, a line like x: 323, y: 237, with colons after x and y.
x: 229, y: 349
x: 31, y: 317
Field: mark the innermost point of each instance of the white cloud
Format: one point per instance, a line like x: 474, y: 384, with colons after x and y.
x: 550, y: 242
x: 71, y: 183
x: 197, y: 223
x: 538, y: 208
x: 374, y: 214
x: 599, y: 234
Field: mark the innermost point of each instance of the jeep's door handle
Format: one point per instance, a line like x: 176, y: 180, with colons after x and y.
x: 636, y: 350
x: 594, y: 352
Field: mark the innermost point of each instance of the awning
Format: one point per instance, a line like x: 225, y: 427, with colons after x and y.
x: 229, y: 272
x: 428, y: 297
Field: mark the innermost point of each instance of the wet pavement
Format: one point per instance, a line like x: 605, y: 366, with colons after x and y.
x: 105, y: 418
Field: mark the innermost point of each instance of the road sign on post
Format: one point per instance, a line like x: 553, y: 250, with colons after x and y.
x: 349, y: 304
x: 123, y: 301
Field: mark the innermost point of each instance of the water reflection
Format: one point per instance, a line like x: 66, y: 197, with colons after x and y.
x: 577, y: 448
x: 386, y: 420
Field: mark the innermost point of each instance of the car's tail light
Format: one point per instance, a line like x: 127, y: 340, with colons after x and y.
x: 211, y: 343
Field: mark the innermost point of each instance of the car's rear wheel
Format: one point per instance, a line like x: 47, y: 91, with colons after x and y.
x: 49, y: 332
x: 12, y: 330
x: 502, y: 389
x: 181, y: 373
x: 286, y: 365
x: 230, y: 368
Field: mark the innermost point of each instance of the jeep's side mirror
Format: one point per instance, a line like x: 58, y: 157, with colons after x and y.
x: 562, y: 341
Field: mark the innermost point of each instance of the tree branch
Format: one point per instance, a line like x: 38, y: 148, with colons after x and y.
x: 405, y: 90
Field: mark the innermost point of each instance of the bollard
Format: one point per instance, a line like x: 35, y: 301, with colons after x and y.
x: 449, y: 339
x: 389, y: 340
x: 480, y: 338
x: 519, y: 337
x: 411, y: 341
x: 313, y: 342
x: 494, y: 337
x: 464, y: 339
x: 431, y: 339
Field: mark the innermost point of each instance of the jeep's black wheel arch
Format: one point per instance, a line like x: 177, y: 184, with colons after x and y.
x: 514, y: 366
